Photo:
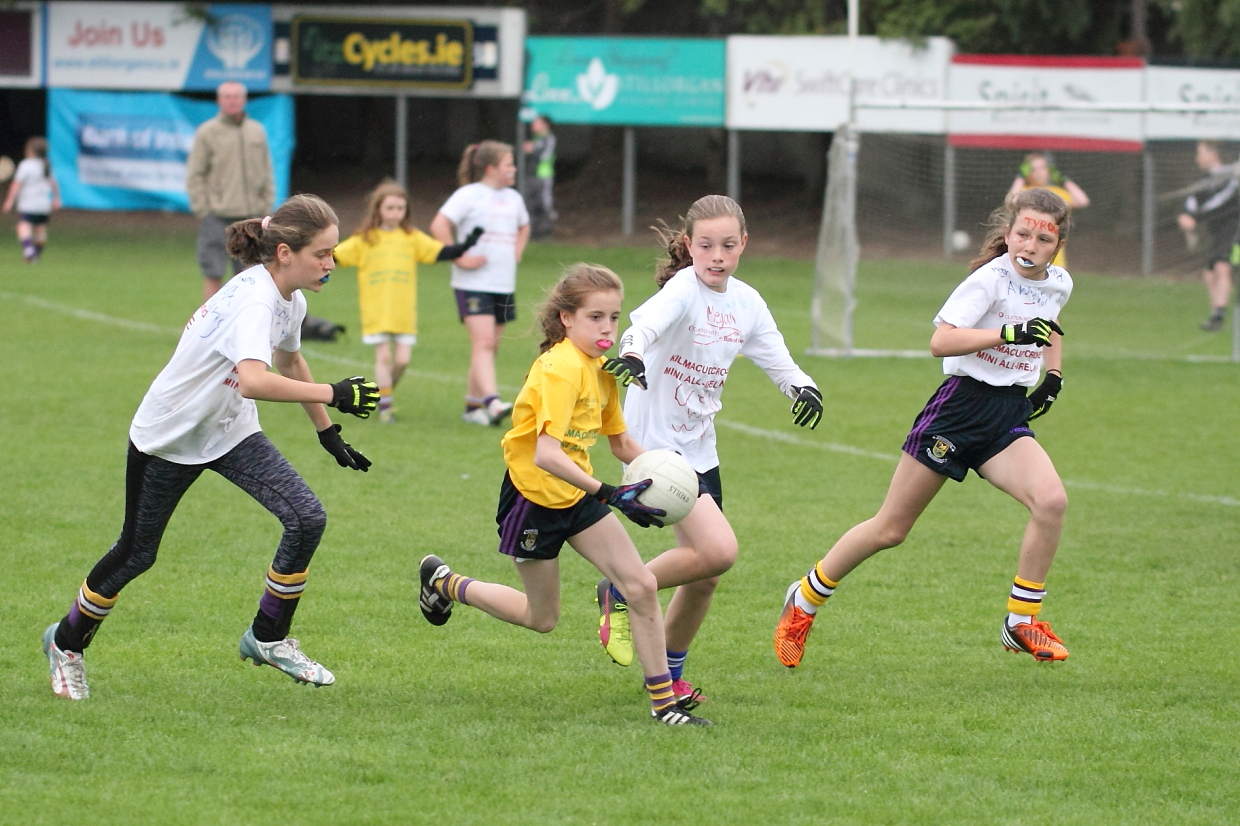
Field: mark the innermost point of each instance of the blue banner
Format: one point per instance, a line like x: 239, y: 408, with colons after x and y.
x: 127, y: 150
x: 625, y: 81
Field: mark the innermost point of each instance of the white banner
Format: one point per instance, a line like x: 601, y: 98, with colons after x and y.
x: 801, y: 83
x: 157, y: 46
x: 1047, y: 81
x: 1176, y: 85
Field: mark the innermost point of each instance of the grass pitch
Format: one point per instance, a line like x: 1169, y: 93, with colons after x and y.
x: 906, y: 709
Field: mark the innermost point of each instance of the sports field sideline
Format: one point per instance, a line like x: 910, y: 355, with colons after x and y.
x: 906, y: 709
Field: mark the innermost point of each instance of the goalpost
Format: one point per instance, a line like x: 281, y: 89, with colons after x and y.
x: 946, y: 191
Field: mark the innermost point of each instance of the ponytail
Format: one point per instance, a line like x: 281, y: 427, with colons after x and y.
x: 254, y: 240
x: 477, y: 157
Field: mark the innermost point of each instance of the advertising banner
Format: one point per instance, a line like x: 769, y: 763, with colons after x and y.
x: 1047, y: 80
x: 1185, y: 86
x: 160, y: 46
x: 383, y: 52
x: 800, y: 84
x: 21, y: 45
x: 626, y: 81
x: 127, y: 150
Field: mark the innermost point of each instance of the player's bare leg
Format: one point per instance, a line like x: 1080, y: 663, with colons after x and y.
x: 1026, y: 473
x: 912, y: 488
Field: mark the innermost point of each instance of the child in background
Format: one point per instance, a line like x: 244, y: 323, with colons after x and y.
x: 549, y: 495
x: 540, y: 178
x: 1038, y: 172
x: 485, y: 296
x: 37, y: 195
x: 995, y: 333
x: 386, y: 251
x: 679, y: 350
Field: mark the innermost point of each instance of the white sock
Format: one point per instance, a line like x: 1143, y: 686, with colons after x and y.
x: 801, y: 602
x: 1014, y: 620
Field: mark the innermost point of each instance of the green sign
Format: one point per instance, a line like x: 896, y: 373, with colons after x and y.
x: 626, y: 81
x: 347, y: 52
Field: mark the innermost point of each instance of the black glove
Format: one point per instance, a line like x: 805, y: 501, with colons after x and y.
x: 1043, y: 396
x: 807, y: 409
x: 355, y: 395
x: 1034, y: 331
x: 627, y: 369
x: 451, y: 252
x: 346, y: 455
x: 624, y: 499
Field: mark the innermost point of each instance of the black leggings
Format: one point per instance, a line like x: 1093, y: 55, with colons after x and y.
x: 154, y: 487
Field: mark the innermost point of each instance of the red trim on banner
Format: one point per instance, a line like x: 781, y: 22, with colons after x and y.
x: 1051, y: 61
x: 1047, y: 142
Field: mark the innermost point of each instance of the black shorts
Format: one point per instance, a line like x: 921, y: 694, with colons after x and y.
x: 530, y: 531
x: 965, y: 424
x: 35, y: 218
x: 503, y: 306
x: 710, y: 485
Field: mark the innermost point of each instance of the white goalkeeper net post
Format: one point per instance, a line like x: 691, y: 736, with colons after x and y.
x: 835, y: 268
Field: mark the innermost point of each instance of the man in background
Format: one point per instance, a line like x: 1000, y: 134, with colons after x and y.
x: 229, y: 176
x: 1213, y: 210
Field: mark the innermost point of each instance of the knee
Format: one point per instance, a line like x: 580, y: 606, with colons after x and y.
x: 544, y: 625
x: 1050, y: 504
x: 889, y: 534
x: 719, y: 555
x: 310, y: 520
x: 641, y: 589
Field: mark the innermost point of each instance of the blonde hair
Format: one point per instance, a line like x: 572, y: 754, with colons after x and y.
x: 569, y: 295
x: 295, y: 223
x: 1003, y: 218
x: 477, y: 157
x: 372, y: 221
x: 673, y: 239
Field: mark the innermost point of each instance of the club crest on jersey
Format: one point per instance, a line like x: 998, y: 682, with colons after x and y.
x: 939, y: 450
x: 529, y: 539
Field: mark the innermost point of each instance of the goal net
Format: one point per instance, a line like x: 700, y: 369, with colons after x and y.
x: 903, y: 195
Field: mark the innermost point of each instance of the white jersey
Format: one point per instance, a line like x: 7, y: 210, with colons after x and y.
x: 501, y: 213
x: 194, y: 412
x: 994, y: 295
x: 688, y: 336
x: 35, y: 195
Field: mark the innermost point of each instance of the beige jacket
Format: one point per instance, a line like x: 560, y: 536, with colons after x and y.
x: 229, y: 171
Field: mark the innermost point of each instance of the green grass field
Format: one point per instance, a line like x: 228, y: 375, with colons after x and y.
x: 906, y: 709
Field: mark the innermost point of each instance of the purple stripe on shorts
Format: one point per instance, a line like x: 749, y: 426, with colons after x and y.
x: 928, y: 415
x: 510, y: 531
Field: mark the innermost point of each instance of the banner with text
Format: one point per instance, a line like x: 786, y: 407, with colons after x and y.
x: 1186, y: 86
x: 801, y: 83
x: 159, y: 46
x: 625, y: 81
x: 127, y: 150
x: 383, y: 52
x: 1041, y: 81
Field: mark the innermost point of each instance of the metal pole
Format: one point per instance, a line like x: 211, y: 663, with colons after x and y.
x: 734, y: 165
x: 1147, y: 212
x: 949, y: 199
x: 519, y: 149
x: 1235, y: 331
x: 628, y: 194
x: 402, y: 140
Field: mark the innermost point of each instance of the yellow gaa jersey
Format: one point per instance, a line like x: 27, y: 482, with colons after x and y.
x: 387, y: 276
x: 566, y: 395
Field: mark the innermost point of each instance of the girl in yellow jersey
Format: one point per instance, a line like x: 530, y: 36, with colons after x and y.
x: 549, y: 495
x: 386, y: 251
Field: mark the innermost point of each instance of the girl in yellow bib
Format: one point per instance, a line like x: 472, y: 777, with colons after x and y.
x: 386, y: 251
x: 549, y: 495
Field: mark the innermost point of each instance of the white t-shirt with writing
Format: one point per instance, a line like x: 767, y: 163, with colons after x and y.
x: 501, y: 213
x: 688, y: 336
x: 994, y: 295
x: 194, y: 412
x: 35, y: 195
